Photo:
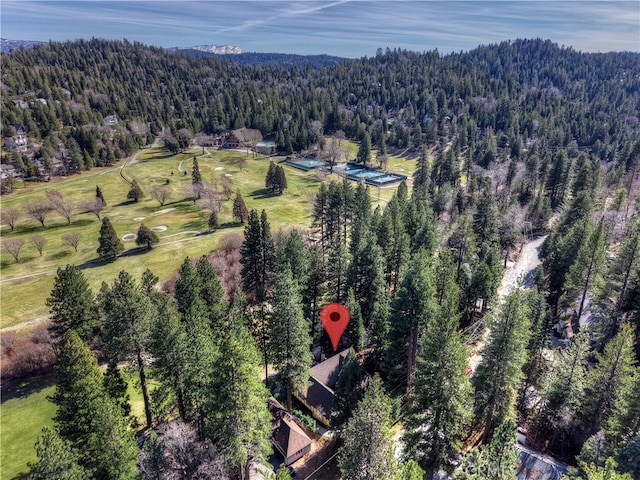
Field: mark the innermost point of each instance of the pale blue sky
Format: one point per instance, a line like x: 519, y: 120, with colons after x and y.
x: 348, y: 28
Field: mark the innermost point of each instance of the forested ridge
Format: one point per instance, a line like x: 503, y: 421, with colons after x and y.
x: 512, y: 140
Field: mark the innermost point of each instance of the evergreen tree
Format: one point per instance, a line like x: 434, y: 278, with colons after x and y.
x: 196, y: 177
x: 135, y: 192
x: 623, y: 424
x: 365, y: 276
x: 627, y: 263
x: 211, y: 293
x: 355, y: 335
x: 367, y: 453
x: 348, y: 391
x: 607, y: 472
x: 257, y: 256
x: 485, y: 224
x: 291, y: 251
x: 110, y: 245
x: 168, y: 346
x: 411, y: 310
x: 270, y: 180
x: 629, y: 456
x: 289, y: 336
x: 562, y: 393
x: 240, y: 212
x: 607, y: 381
x: 586, y: 271
x: 281, y: 179
x: 146, y: 237
x: 498, y: 375
x: 560, y: 249
x: 539, y: 341
x: 337, y: 264
x: 71, y: 304
x: 409, y: 470
x: 100, y: 196
x: 200, y: 350
x: 500, y: 456
x: 87, y: 418
x: 283, y: 473
x: 440, y: 400
x: 364, y: 152
x: 56, y: 459
x: 314, y: 288
x: 116, y: 388
x: 239, y: 423
x: 127, y: 321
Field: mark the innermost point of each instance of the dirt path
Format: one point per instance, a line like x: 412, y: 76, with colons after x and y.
x: 517, y: 274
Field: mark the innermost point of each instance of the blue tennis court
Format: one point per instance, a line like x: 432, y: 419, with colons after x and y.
x: 369, y: 175
x: 307, y: 164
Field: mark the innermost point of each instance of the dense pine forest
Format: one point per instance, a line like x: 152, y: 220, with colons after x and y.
x: 512, y: 142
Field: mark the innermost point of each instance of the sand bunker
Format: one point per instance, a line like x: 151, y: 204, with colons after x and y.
x: 166, y: 210
x: 138, y: 219
x: 159, y: 228
x: 129, y: 237
x: 217, y: 169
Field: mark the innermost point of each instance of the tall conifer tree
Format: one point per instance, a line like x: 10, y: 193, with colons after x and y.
x: 72, y: 304
x: 368, y: 450
x: 110, y: 245
x: 440, y: 401
x: 498, y: 375
x: 289, y: 336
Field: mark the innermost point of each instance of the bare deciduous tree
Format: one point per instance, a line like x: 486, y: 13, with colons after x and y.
x: 10, y: 216
x: 13, y: 246
x: 72, y: 239
x: 240, y: 162
x: 192, y: 191
x: 94, y: 206
x: 333, y: 150
x: 211, y: 198
x: 39, y: 210
x: 227, y: 185
x: 161, y: 194
x: 315, y: 131
x: 62, y: 206
x: 39, y: 242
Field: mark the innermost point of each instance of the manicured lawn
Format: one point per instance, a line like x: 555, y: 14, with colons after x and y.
x: 23, y: 299
x: 186, y: 234
x: 23, y: 412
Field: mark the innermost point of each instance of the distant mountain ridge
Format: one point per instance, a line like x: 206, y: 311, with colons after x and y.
x: 231, y: 52
x: 214, y: 49
x: 6, y: 45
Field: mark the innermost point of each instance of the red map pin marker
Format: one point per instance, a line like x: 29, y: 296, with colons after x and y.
x: 335, y: 318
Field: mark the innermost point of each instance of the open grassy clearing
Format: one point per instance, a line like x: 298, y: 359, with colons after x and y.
x: 25, y: 410
x: 26, y: 285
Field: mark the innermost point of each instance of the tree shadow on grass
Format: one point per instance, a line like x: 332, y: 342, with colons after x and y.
x: 25, y: 387
x: 263, y: 193
x: 230, y: 225
x: 32, y: 227
x: 125, y: 203
x: 60, y: 254
x: 134, y: 251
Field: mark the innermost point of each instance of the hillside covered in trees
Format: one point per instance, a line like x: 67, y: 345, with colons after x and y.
x: 512, y: 140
